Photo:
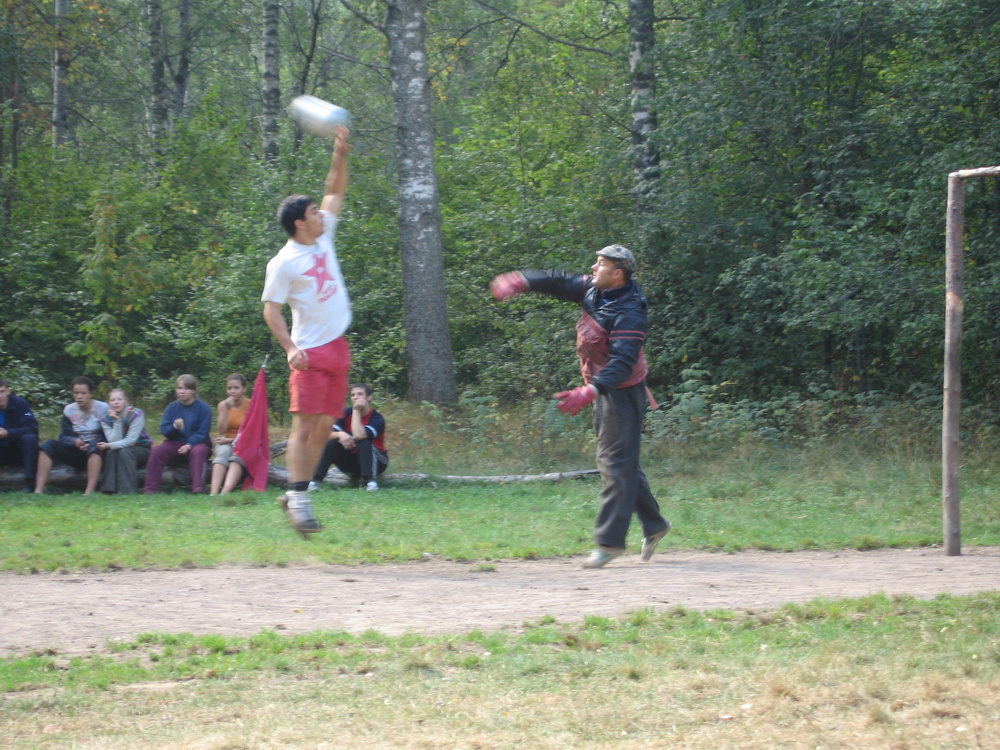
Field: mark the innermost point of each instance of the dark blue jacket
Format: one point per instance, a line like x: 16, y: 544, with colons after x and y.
x: 18, y: 420
x: 622, y: 313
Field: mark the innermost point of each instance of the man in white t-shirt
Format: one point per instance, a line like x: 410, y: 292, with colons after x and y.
x: 306, y: 276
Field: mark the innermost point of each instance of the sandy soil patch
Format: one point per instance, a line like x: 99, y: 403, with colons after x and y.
x: 74, y: 613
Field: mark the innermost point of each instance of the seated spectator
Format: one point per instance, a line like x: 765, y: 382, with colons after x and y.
x: 78, y: 437
x: 227, y: 468
x: 357, y: 445
x: 186, y: 425
x: 125, y: 446
x: 18, y: 435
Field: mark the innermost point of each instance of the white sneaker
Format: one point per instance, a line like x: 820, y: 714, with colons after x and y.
x: 299, y: 511
x: 313, y: 486
x: 371, y: 486
x: 649, y: 542
x: 602, y: 556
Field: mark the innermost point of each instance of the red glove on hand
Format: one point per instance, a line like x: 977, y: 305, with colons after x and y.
x: 508, y: 285
x: 573, y: 401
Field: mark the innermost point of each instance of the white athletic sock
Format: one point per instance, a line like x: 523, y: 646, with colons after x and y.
x: 297, y: 499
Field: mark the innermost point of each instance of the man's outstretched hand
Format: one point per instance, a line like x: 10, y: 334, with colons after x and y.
x: 573, y: 401
x: 508, y: 285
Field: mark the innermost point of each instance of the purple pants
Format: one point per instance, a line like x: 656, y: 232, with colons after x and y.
x: 166, y: 454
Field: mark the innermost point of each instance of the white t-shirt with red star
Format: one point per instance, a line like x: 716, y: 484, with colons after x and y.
x: 308, y: 279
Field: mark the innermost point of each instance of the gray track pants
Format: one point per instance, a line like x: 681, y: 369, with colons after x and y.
x: 618, y: 418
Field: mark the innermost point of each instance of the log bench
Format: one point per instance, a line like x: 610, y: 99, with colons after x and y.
x: 72, y: 480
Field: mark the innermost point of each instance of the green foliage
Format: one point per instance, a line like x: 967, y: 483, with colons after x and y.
x: 804, y: 172
x: 793, y: 249
x: 526, y: 183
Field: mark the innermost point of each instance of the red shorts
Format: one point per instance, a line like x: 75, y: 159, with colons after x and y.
x: 322, y: 389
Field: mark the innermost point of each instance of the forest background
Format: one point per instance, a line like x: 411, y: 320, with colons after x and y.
x: 780, y: 169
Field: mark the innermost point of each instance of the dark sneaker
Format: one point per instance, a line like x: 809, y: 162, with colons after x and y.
x: 649, y: 542
x: 602, y: 556
x: 307, y: 526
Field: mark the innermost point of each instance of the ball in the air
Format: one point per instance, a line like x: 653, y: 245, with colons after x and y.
x: 317, y: 116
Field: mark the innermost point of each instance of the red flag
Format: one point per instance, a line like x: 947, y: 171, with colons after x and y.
x: 253, y: 441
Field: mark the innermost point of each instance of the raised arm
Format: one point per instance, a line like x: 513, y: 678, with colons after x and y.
x: 335, y: 187
x: 568, y: 286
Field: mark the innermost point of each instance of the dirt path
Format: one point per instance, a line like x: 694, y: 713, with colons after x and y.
x: 80, y: 613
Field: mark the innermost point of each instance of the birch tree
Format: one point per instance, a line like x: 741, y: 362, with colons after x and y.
x: 60, y: 75
x: 429, y: 361
x: 11, y: 100
x: 643, y: 82
x: 158, y: 119
x: 182, y: 73
x: 272, y: 79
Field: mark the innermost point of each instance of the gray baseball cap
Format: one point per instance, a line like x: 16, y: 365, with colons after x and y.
x: 621, y: 255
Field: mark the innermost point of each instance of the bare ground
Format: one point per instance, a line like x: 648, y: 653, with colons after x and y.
x: 79, y: 613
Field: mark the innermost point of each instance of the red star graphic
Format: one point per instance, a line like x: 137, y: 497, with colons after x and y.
x: 318, y: 271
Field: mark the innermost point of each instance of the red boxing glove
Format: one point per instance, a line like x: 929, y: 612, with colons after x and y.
x: 508, y: 285
x: 573, y: 401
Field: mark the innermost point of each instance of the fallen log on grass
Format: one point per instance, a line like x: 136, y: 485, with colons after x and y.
x: 554, y: 476
x: 336, y: 478
x: 71, y: 480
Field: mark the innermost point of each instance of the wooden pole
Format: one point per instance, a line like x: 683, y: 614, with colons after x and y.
x: 954, y: 294
x: 954, y: 308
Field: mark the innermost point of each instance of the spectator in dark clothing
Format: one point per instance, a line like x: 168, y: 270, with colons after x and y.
x: 18, y: 435
x: 357, y: 443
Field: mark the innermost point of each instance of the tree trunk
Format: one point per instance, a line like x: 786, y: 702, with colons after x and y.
x: 272, y: 80
x: 182, y: 76
x: 60, y: 76
x: 158, y: 124
x: 307, y: 44
x: 11, y: 101
x: 643, y: 78
x: 310, y: 46
x: 430, y: 368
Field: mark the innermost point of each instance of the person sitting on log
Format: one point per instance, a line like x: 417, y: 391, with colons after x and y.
x: 357, y: 443
x: 186, y: 425
x: 18, y: 435
x: 126, y: 445
x: 76, y: 445
x: 227, y: 467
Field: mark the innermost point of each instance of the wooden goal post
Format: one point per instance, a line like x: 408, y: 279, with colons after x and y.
x: 954, y: 303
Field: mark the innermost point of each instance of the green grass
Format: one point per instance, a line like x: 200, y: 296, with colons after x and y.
x: 873, y: 672
x: 766, y: 499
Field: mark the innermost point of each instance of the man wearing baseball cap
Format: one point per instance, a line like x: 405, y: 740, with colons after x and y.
x: 610, y: 336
